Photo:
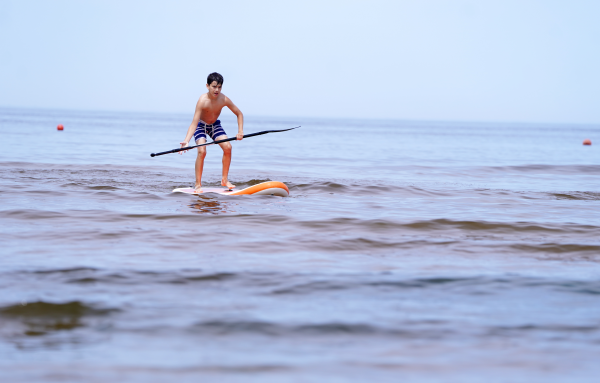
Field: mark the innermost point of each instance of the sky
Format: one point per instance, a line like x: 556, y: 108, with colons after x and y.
x: 458, y: 60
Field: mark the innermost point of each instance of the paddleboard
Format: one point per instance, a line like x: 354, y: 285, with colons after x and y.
x: 264, y: 188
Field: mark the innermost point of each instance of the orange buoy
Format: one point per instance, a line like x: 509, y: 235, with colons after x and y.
x: 587, y: 141
x: 60, y: 127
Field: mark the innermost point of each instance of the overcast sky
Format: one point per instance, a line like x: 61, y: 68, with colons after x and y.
x: 470, y: 60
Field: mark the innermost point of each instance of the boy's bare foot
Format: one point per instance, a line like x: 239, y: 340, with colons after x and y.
x: 227, y: 184
x: 198, y: 189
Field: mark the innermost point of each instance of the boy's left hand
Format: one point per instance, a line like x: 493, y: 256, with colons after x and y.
x: 240, y: 136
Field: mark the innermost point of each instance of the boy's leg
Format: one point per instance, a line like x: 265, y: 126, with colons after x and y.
x: 200, y: 165
x: 226, y: 146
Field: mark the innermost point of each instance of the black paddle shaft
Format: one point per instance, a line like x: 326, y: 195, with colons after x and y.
x: 220, y: 141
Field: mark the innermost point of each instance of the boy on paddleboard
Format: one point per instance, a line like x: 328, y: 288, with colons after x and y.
x: 206, y: 122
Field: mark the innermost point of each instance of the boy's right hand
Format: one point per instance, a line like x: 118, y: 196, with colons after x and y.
x: 183, y: 145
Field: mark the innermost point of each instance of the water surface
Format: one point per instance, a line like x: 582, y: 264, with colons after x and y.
x: 428, y: 251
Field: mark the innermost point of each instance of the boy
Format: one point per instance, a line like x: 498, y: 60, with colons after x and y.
x: 206, y: 122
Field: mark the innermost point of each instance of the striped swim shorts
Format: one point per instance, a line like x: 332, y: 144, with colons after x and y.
x: 214, y: 130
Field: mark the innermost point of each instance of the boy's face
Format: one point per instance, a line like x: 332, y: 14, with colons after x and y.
x: 214, y: 89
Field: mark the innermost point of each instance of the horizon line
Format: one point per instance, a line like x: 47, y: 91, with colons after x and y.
x: 424, y: 120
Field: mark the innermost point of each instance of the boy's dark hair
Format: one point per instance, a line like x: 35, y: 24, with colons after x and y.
x: 214, y: 77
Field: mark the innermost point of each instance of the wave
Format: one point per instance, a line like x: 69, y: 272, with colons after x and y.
x: 545, y: 169
x: 282, y: 233
x: 41, y: 309
x: 577, y: 195
x: 40, y: 318
x: 438, y: 225
x: 554, y: 329
x: 422, y: 329
x: 284, y: 283
x: 373, y: 225
x: 229, y: 327
x: 127, y: 180
x: 557, y: 248
x: 87, y: 275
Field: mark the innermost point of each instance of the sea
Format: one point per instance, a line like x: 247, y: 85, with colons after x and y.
x: 407, y: 251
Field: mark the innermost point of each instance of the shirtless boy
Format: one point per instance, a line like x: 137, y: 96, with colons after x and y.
x: 206, y: 122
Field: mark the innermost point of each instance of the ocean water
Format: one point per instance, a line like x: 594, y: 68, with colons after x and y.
x: 407, y: 251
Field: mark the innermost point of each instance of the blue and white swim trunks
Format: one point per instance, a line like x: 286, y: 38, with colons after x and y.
x: 214, y: 130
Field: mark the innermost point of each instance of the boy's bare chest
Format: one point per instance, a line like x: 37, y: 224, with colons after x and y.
x: 211, y: 106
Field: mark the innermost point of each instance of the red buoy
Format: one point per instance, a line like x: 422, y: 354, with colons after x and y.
x: 60, y: 127
x: 587, y: 141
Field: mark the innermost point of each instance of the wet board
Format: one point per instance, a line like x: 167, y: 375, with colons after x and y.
x: 264, y: 188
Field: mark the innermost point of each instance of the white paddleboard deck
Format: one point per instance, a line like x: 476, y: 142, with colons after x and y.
x: 204, y: 190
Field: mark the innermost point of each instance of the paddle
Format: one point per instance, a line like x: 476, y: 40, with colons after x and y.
x: 218, y: 142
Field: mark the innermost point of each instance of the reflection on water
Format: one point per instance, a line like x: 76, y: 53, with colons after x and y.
x: 207, y: 205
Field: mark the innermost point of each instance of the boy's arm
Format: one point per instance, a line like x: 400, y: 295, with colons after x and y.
x: 192, y: 128
x: 240, y: 117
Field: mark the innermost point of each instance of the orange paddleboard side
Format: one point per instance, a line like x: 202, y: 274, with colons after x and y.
x: 262, y: 186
